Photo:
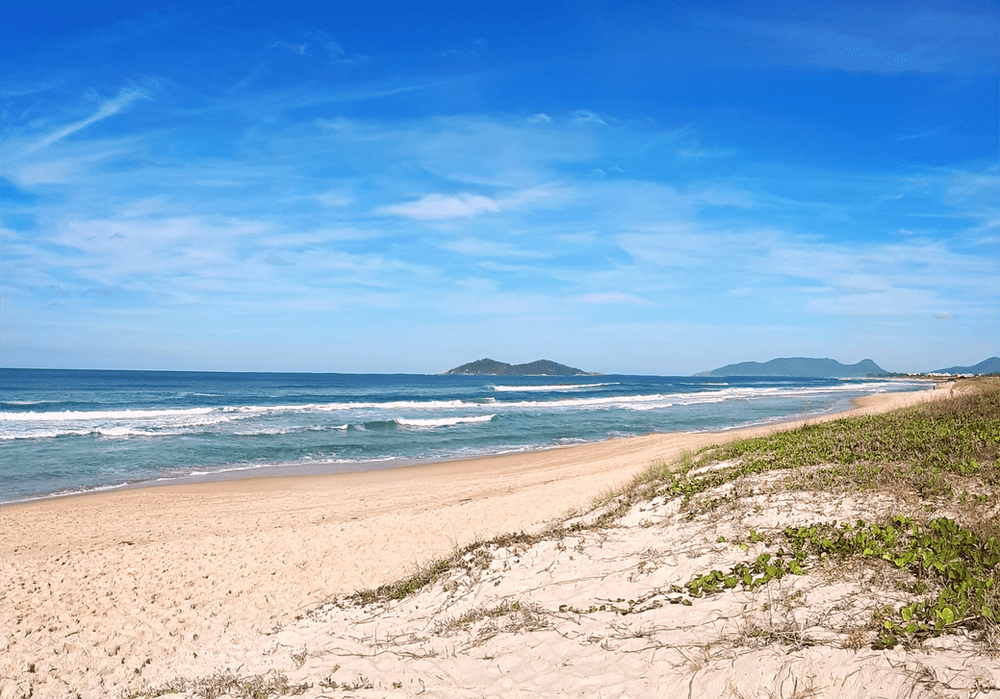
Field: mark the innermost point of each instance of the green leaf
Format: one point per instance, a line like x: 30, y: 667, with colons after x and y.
x: 946, y: 614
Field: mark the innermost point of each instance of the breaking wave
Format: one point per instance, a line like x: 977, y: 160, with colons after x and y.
x: 442, y: 422
x: 554, y: 387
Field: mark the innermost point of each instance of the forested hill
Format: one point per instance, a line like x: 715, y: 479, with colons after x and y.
x: 800, y: 367
x: 491, y: 367
x: 987, y: 366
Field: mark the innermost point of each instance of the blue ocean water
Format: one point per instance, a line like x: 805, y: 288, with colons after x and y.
x: 70, y: 431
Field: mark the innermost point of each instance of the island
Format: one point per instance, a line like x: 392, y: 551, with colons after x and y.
x: 800, y: 367
x: 543, y: 367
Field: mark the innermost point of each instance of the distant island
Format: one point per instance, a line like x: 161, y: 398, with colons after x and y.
x: 800, y: 367
x: 987, y: 366
x: 543, y: 367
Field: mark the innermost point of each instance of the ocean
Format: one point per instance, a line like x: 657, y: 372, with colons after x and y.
x: 71, y: 431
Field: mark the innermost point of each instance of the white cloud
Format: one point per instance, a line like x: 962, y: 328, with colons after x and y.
x: 106, y: 109
x: 436, y: 207
x: 294, y: 48
x: 338, y: 55
x: 29, y: 173
x: 696, y: 151
x: 585, y: 115
x: 788, y: 272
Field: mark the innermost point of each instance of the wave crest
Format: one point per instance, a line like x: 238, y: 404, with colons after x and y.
x: 554, y: 387
x: 442, y: 422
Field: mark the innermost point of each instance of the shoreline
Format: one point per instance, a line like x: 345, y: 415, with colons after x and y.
x: 330, y: 469
x: 114, y: 590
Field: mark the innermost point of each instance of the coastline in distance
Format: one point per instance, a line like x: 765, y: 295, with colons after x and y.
x: 800, y: 367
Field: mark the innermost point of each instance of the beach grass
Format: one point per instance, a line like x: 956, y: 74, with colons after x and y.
x: 938, y: 455
x: 936, y: 544
x: 229, y: 684
x: 930, y: 450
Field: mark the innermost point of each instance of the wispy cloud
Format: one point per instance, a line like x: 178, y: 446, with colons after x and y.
x: 587, y: 116
x: 300, y: 49
x: 887, y: 41
x: 477, y: 247
x: 338, y: 55
x: 436, y: 207
x: 106, y: 109
x: 439, y: 207
x: 479, y: 48
x: 416, y: 197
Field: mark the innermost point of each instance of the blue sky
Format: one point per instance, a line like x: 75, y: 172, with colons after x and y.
x: 628, y: 187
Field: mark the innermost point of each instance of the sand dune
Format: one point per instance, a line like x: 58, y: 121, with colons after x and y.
x: 114, y: 592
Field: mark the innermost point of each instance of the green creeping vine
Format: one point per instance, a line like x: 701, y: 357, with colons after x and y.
x: 927, y: 450
x: 964, y: 565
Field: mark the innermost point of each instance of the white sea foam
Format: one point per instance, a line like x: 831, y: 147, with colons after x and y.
x: 118, y: 432
x: 42, y: 434
x: 66, y: 415
x: 106, y: 423
x: 554, y: 387
x: 65, y: 493
x: 163, y: 422
x: 333, y: 407
x: 122, y: 432
x: 593, y: 402
x: 442, y: 422
x: 26, y: 402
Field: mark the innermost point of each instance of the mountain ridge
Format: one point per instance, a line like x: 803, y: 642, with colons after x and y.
x: 987, y: 366
x: 799, y: 367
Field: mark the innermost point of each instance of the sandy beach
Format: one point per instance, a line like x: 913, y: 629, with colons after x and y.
x: 107, y: 594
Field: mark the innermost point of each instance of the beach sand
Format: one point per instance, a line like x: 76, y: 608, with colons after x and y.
x: 109, y: 593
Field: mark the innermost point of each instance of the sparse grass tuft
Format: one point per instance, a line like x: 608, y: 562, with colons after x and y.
x: 948, y: 448
x: 477, y: 555
x: 944, y: 453
x: 226, y: 683
x: 506, y: 617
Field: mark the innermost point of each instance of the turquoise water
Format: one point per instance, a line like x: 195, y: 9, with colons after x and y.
x: 69, y: 431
